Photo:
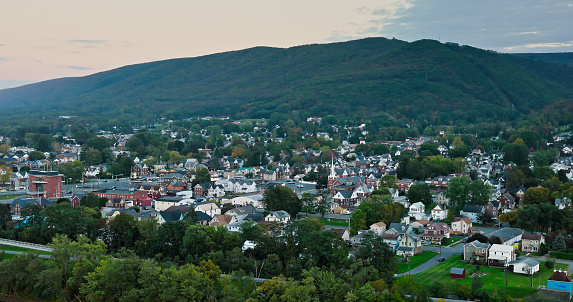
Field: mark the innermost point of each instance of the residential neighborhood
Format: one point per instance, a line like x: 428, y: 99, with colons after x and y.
x: 419, y: 213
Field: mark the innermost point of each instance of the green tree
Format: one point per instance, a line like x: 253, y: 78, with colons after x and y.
x: 376, y: 253
x: 202, y: 176
x: 36, y: 155
x: 277, y: 198
x: 537, y: 196
x: 122, y: 232
x: 93, y: 157
x: 73, y: 170
x: 558, y: 244
x: 419, y: 193
x: 516, y: 152
x: 462, y: 190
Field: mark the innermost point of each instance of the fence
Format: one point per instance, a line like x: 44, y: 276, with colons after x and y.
x: 27, y: 245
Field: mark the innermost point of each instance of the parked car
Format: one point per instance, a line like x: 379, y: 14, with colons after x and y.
x: 442, y: 259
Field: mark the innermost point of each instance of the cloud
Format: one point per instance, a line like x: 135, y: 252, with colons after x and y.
x: 540, y: 45
x: 488, y: 24
x: 77, y: 67
x: 87, y: 41
x: 3, y: 59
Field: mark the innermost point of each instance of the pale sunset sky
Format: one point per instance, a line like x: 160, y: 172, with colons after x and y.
x: 41, y: 40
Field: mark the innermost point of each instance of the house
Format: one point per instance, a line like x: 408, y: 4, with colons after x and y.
x: 209, y: 208
x: 500, y: 255
x: 526, y: 266
x: 476, y: 250
x: 493, y: 207
x: 219, y: 219
x: 139, y: 170
x: 417, y: 210
x: 531, y: 243
x: 419, y: 225
x: 506, y: 201
x: 461, y: 225
x: 392, y: 240
x: 244, y: 186
x: 409, y: 245
x: 457, y: 273
x: 344, y: 233
x: 163, y: 203
x: 435, y: 231
x: 203, y: 219
x: 472, y: 212
x: 278, y: 216
x: 560, y: 281
x: 439, y: 212
x: 379, y: 228
x: 442, y: 199
x: 399, y: 228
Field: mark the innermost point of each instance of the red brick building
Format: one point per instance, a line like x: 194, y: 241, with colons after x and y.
x: 46, y: 184
x: 123, y: 194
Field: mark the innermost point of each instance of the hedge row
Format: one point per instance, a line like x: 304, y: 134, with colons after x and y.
x: 562, y: 255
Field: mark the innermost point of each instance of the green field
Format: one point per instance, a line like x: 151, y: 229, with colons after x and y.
x: 4, y: 197
x: 415, y: 261
x: 336, y: 222
x: 22, y: 250
x: 494, y: 280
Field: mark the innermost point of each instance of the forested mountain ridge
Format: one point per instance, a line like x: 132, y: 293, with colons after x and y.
x: 376, y: 78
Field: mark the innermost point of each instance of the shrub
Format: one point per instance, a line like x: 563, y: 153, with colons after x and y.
x: 549, y: 264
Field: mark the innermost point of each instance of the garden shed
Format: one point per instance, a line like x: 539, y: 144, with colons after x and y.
x: 457, y: 273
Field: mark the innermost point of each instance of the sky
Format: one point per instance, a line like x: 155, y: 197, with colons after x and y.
x: 41, y: 40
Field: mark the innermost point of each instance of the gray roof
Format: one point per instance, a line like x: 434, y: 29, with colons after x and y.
x: 457, y: 270
x: 469, y: 208
x: 527, y: 261
x: 507, y: 233
x: 476, y: 243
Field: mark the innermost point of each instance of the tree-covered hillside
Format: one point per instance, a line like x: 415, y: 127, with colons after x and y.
x: 376, y: 78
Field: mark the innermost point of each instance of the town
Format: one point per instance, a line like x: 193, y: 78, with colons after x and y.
x: 432, y: 197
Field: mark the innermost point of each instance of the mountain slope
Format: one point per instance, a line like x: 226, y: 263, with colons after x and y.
x: 375, y: 78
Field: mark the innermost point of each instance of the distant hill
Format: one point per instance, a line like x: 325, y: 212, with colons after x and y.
x: 376, y: 78
x: 565, y: 58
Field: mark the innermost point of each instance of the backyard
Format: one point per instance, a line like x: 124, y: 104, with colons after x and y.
x: 493, y: 280
x: 335, y: 222
x: 414, y: 261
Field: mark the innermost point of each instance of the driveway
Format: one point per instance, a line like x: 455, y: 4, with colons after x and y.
x: 447, y: 252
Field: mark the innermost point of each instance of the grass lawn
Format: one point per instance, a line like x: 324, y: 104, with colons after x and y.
x: 22, y: 250
x: 448, y: 241
x: 494, y: 280
x: 4, y: 197
x: 336, y: 222
x: 415, y: 261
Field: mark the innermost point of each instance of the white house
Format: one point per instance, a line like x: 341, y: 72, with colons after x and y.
x: 417, y: 210
x: 439, y: 212
x: 500, y: 254
x: 244, y: 186
x: 525, y: 266
x: 461, y: 225
x: 278, y: 216
x: 379, y: 228
x: 208, y: 208
x: 242, y: 201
